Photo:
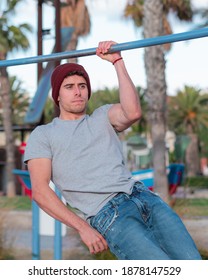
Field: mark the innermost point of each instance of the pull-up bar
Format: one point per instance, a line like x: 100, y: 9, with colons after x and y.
x: 199, y: 33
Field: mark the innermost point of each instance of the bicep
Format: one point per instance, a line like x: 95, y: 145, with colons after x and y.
x: 118, y: 119
x: 40, y: 171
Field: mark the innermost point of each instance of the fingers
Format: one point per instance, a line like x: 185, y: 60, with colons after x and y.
x: 98, y: 246
x: 98, y: 243
x: 103, y: 47
x: 93, y: 240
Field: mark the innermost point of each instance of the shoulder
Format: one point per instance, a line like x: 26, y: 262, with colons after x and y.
x: 102, y: 110
x: 40, y: 132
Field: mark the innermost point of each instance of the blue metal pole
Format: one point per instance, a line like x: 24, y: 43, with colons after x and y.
x: 58, y: 235
x: 199, y: 33
x: 35, y: 232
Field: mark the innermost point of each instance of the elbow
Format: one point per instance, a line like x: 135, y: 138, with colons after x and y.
x: 136, y: 116
x: 35, y: 195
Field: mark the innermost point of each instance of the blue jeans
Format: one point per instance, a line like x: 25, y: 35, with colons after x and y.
x: 141, y: 226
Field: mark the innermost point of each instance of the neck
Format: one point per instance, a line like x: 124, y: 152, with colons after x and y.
x: 71, y: 116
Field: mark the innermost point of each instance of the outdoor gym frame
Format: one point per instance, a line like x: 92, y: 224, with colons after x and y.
x: 184, y: 36
x: 199, y: 33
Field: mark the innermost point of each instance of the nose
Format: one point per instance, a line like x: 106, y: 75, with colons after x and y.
x: 77, y: 91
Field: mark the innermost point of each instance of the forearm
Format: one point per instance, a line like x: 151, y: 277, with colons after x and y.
x: 128, y: 94
x: 130, y: 109
x: 52, y: 205
x: 49, y: 202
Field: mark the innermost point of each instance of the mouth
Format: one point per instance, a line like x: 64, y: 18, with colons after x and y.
x: 78, y: 101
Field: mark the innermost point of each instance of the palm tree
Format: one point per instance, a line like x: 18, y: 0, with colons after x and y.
x: 11, y: 38
x: 153, y: 16
x: 20, y: 100
x: 156, y: 93
x: 48, y: 111
x: 187, y: 114
x: 181, y: 8
x: 203, y: 17
x: 75, y: 14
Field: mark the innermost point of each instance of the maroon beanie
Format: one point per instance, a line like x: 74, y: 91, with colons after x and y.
x: 61, y: 72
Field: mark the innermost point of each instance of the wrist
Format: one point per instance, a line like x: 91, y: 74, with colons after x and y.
x: 116, y: 60
x: 81, y: 226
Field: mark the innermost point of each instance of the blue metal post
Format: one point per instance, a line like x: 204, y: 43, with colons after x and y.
x: 35, y: 232
x: 58, y: 235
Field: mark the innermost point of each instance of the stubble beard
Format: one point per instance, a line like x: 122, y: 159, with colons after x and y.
x: 78, y: 109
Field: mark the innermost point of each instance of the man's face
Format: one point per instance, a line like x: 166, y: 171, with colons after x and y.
x: 73, y: 95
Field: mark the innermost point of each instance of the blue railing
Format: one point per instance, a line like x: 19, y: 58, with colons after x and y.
x: 184, y: 36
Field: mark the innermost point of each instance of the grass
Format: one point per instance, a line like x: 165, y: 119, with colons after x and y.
x: 191, y: 207
x: 15, y: 203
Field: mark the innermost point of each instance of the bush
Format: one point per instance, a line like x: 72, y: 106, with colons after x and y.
x: 196, y: 182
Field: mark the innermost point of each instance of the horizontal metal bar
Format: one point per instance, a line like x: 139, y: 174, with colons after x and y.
x: 199, y: 33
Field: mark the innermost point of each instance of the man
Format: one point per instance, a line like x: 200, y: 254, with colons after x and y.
x: 82, y: 155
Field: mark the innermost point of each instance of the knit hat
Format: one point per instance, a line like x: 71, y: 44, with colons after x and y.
x: 61, y: 72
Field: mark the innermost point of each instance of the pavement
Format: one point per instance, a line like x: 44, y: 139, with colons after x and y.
x: 18, y: 234
x: 18, y: 238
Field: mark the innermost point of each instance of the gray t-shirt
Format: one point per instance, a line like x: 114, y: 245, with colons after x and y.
x: 87, y: 160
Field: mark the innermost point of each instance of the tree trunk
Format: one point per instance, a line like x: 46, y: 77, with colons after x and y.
x: 192, y: 156
x: 72, y: 46
x: 156, y: 93
x: 7, y: 123
x: 75, y: 15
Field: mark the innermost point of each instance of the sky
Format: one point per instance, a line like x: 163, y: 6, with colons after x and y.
x: 186, y: 63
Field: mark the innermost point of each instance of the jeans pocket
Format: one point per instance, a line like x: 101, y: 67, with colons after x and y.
x: 104, y: 219
x: 140, y: 187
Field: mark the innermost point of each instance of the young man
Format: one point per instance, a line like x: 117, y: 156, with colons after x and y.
x: 83, y: 157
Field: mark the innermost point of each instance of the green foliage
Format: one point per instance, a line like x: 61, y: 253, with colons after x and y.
x: 134, y: 9
x: 101, y: 97
x: 203, y: 141
x: 106, y: 255
x: 187, y: 115
x: 187, y: 111
x: 196, y: 182
x: 181, y: 144
x: 181, y: 8
x: 49, y: 111
x: 12, y: 37
x: 20, y: 101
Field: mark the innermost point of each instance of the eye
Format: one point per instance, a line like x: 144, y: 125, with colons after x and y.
x: 83, y: 86
x: 68, y: 86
